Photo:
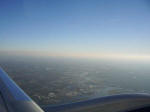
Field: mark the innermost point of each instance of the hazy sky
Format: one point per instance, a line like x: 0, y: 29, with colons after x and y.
x: 75, y: 27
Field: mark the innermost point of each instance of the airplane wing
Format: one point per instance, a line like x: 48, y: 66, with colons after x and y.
x: 13, y: 99
x: 115, y: 103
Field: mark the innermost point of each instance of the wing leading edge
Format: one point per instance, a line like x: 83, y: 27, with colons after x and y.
x: 115, y: 103
x: 14, y: 99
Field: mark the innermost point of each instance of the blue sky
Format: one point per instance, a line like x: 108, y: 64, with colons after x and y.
x: 72, y: 27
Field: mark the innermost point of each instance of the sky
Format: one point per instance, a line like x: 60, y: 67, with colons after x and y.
x: 78, y: 28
